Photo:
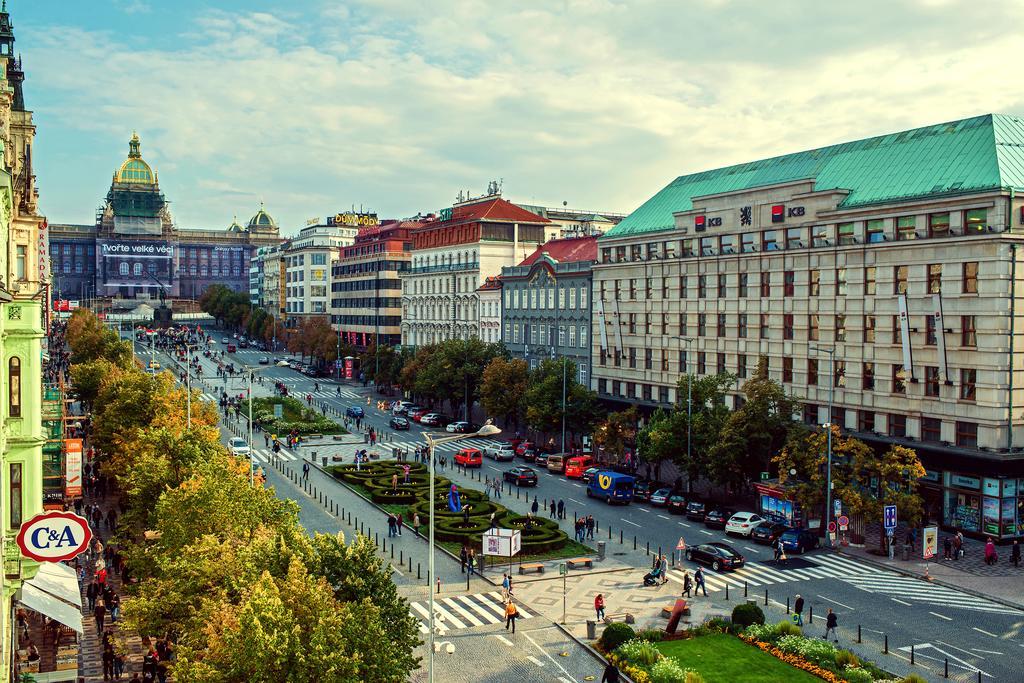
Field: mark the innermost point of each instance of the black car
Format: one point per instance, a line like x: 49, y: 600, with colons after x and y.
x: 354, y: 411
x: 765, y: 532
x: 521, y: 476
x: 529, y: 455
x: 716, y: 519
x: 642, y: 490
x: 541, y: 460
x: 676, y: 504
x: 718, y: 556
x: 695, y: 510
x: 398, y: 423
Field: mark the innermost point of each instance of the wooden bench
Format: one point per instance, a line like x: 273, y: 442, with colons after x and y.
x: 620, y: 616
x: 584, y: 561
x: 666, y: 611
x: 535, y: 567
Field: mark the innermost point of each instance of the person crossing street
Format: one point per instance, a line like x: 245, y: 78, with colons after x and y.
x: 698, y: 580
x: 511, y: 613
x: 831, y: 624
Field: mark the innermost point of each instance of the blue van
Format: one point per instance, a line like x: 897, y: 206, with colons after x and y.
x: 613, y: 487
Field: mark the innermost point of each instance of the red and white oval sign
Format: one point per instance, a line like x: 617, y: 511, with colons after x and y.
x: 54, y: 536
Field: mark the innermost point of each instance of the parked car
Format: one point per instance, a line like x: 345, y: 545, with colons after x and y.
x: 503, y: 453
x: 660, y: 497
x: 242, y: 344
x: 676, y: 504
x: 695, y: 510
x: 469, y: 457
x: 523, y: 446
x: 743, y: 523
x: 401, y: 407
x: 589, y: 473
x: 576, y: 466
x: 433, y: 420
x: 767, y: 531
x: 642, y: 490
x: 799, y: 540
x: 717, y: 518
x: 240, y: 447
x: 556, y: 463
x: 417, y: 415
x: 264, y: 360
x: 718, y: 555
x: 529, y: 455
x: 461, y: 427
x: 541, y: 460
x: 232, y: 348
x: 521, y: 476
x: 354, y: 412
x: 398, y: 422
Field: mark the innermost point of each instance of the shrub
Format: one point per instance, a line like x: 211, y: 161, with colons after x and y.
x: 845, y: 658
x: 854, y: 674
x: 652, y: 635
x: 735, y: 629
x: 614, y: 635
x: 667, y: 670
x: 638, y: 651
x: 693, y: 677
x: 913, y: 678
x: 746, y: 614
x: 820, y: 652
x: 788, y: 628
x: 766, y: 633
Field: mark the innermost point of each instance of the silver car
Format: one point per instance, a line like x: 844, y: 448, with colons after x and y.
x: 503, y: 453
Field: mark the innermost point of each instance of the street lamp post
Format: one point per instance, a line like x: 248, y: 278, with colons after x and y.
x: 487, y: 430
x: 831, y: 351
x: 689, y: 407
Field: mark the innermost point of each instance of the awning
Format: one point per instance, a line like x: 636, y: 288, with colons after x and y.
x: 44, y: 603
x: 59, y: 580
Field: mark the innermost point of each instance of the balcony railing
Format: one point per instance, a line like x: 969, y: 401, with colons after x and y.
x: 446, y: 268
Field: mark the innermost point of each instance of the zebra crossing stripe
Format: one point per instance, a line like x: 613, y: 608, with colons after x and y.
x: 847, y: 566
x: 259, y: 456
x: 479, y: 609
x: 464, y: 613
x: 450, y: 620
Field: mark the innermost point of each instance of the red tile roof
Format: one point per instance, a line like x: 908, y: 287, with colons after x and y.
x: 494, y: 209
x: 565, y: 251
x: 490, y: 283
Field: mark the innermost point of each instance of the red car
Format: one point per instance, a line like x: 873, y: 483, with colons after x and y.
x: 417, y: 415
x: 523, y: 446
x: 469, y: 457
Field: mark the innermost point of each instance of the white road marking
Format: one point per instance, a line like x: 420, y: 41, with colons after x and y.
x: 535, y: 660
x: 629, y: 522
x: 576, y: 501
x: 643, y: 510
x: 684, y: 524
x: 749, y: 549
x: 836, y: 602
x: 504, y: 640
x: 706, y: 532
x: 941, y: 616
x: 985, y: 632
x: 988, y: 652
x: 664, y: 517
x: 900, y: 601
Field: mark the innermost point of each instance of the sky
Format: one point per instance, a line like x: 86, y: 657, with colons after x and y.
x: 316, y: 106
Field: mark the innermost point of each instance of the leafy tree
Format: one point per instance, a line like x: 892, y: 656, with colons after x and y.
x: 87, y: 378
x: 451, y: 370
x: 544, y: 399
x: 752, y: 434
x: 503, y: 389
x: 617, y: 432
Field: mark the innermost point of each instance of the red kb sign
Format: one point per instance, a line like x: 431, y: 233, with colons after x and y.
x: 54, y: 536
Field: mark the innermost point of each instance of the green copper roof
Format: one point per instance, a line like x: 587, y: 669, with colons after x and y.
x: 976, y: 154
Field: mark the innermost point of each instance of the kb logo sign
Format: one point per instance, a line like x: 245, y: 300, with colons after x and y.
x: 54, y: 536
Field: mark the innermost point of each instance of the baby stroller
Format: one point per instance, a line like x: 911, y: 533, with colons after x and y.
x: 651, y: 578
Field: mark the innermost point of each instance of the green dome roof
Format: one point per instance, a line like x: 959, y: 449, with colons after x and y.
x: 134, y: 170
x: 262, y: 219
x: 235, y: 227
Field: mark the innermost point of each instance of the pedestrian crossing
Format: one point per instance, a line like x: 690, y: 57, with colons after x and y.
x: 264, y: 455
x: 441, y: 448
x: 465, y: 611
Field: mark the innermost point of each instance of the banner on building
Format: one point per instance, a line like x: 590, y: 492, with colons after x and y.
x: 599, y: 304
x: 72, y: 467
x: 940, y: 335
x: 908, y: 360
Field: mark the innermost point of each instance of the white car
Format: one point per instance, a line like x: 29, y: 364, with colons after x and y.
x: 240, y: 447
x: 743, y: 523
x: 503, y: 453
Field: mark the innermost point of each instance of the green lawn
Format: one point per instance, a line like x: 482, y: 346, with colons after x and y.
x: 722, y: 658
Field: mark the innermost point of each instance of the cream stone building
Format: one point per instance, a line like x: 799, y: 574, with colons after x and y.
x: 901, y: 255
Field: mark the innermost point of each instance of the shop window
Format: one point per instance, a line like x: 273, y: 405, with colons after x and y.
x: 788, y: 283
x: 938, y: 225
x: 899, y: 380
x: 931, y: 381
x: 787, y: 326
x: 897, y: 425
x: 934, y: 278
x: 899, y: 276
x: 812, y: 372
x: 970, y: 277
x: 931, y: 429
x: 975, y: 221
x: 810, y: 414
x: 814, y: 282
x: 869, y: 280
x: 968, y: 332
x: 967, y: 434
x: 787, y: 369
x: 846, y: 235
x: 868, y: 376
x: 838, y: 418
x: 875, y: 230
x: 968, y: 384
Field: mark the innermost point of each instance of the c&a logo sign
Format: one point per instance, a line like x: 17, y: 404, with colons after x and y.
x: 54, y: 536
x: 604, y: 481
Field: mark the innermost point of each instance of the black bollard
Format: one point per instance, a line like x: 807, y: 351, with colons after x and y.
x: 787, y: 604
x: 911, y: 654
x: 410, y: 565
x: 620, y: 536
x: 648, y: 547
x: 811, y: 612
x: 726, y: 591
x: 886, y: 650
x: 634, y: 543
x: 376, y: 541
x: 609, y: 533
x: 765, y: 597
x: 858, y: 633
x: 418, y: 571
x: 392, y: 551
x: 401, y: 558
x: 946, y: 670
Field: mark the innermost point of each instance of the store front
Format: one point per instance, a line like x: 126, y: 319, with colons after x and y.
x: 983, y: 506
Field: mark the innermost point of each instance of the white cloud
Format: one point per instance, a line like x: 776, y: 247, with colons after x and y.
x: 599, y: 102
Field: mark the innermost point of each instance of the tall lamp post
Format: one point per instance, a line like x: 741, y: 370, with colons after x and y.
x: 689, y: 407
x: 831, y: 351
x: 487, y: 430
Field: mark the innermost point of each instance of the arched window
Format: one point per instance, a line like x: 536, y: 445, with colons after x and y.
x: 14, y: 387
x: 124, y: 269
x: 137, y: 269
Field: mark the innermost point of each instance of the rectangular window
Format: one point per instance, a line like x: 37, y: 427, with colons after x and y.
x: 702, y: 368
x: 720, y: 364
x: 702, y: 286
x: 683, y: 325
x: 906, y: 228
x: 749, y: 242
x: 875, y: 230
x: 865, y: 421
x: 788, y: 283
x: 561, y: 298
x: 968, y: 384
x: 840, y: 374
x: 769, y: 241
x: 931, y: 429
x: 897, y: 425
x: 868, y: 376
x: 813, y: 325
x: 896, y: 331
x: 930, y: 338
x: 647, y: 323
x: 763, y: 326
x: 787, y: 369
x: 664, y: 361
x: 931, y: 381
x: 648, y: 359
x: 727, y: 244
x: 583, y: 296
x: 606, y: 255
x: 632, y: 323
x: 810, y: 414
x: 975, y: 221
x: 684, y: 366
x: 16, y: 495
x: 707, y: 246
x: 721, y: 325
x: 793, y: 238
x: 814, y: 282
x: 970, y: 277
x: 967, y: 434
x: 819, y: 236
x: 968, y: 332
x: 702, y: 324
x: 572, y: 336
x: 899, y: 276
x: 766, y: 284
x: 812, y: 372
x: 899, y: 380
x: 787, y: 325
x: 869, y: 280
x: 938, y: 225
x: 20, y: 262
x: 934, y: 278
x: 721, y: 286
x: 584, y: 378
x: 741, y: 366
x: 744, y: 285
x: 840, y: 328
x: 632, y: 358
x: 742, y: 328
x: 664, y: 288
x: 682, y: 287
x: 845, y: 233
x: 840, y: 281
x: 632, y: 288
x: 583, y: 336
x: 515, y: 333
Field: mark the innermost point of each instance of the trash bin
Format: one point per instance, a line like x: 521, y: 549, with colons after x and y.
x: 591, y: 629
x: 324, y: 461
x: 481, y: 564
x: 906, y: 552
x: 600, y: 550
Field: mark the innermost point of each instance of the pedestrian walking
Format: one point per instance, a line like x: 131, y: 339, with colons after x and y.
x: 798, y: 610
x: 947, y: 548
x: 1015, y: 553
x: 687, y: 584
x: 391, y: 526
x: 463, y: 556
x: 511, y: 613
x: 611, y: 674
x: 561, y: 509
x: 416, y: 524
x: 394, y: 481
x: 599, y: 607
x: 100, y: 614
x: 471, y: 561
x: 553, y: 509
x: 108, y: 661
x: 399, y: 521
x: 590, y: 524
x: 535, y: 507
x: 991, y: 556
x: 405, y: 469
x: 115, y: 607
x: 698, y: 580
x: 958, y: 546
x: 91, y: 593
x: 305, y: 470
x: 831, y: 624
x: 663, y: 567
